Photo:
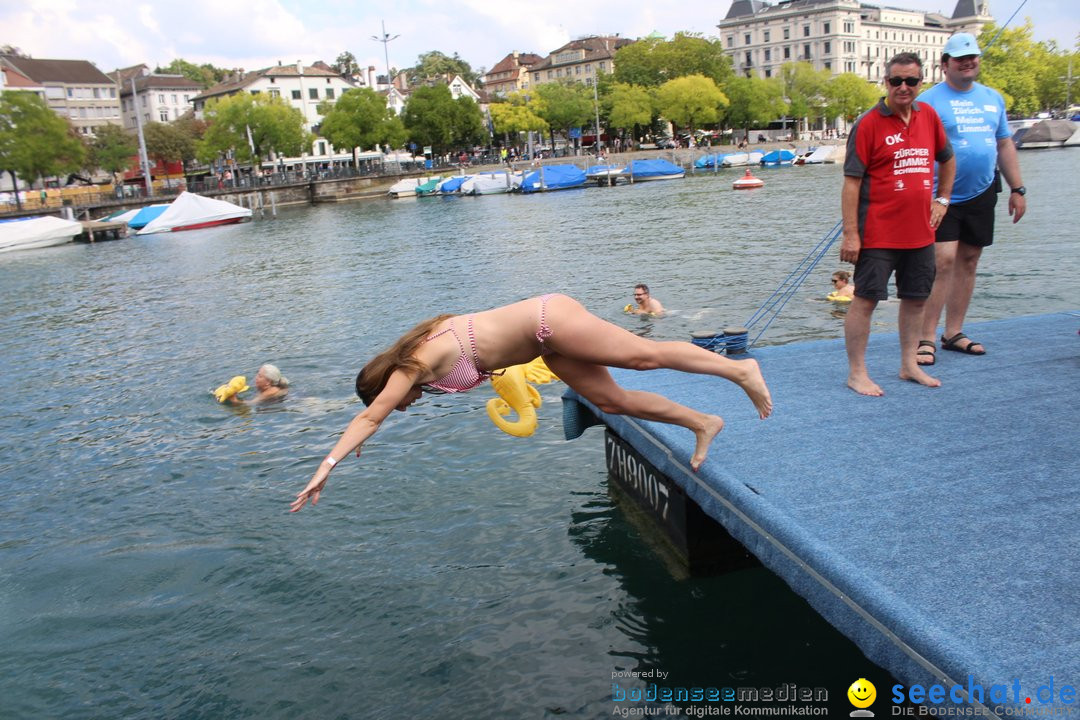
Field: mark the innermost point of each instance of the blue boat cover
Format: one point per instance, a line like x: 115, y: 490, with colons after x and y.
x: 708, y: 161
x: 653, y: 168
x: 777, y: 156
x: 555, y: 177
x: 144, y: 216
x: 454, y: 184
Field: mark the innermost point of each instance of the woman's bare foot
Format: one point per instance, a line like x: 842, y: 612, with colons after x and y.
x: 863, y: 385
x: 919, y: 376
x: 713, y: 425
x: 753, y: 383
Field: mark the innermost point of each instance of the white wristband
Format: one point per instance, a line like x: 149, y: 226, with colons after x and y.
x: 330, y: 461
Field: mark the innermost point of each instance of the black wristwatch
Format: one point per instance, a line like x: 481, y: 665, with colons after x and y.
x: 1019, y: 190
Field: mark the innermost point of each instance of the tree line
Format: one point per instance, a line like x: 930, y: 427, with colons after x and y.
x: 687, y: 80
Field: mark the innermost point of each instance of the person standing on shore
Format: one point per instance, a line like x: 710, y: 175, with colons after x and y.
x: 890, y: 214
x: 975, y: 121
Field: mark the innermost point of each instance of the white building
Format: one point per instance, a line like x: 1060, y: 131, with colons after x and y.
x: 840, y: 35
x: 303, y: 87
x: 155, y: 98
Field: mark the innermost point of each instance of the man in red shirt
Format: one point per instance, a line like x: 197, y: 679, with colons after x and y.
x: 890, y: 215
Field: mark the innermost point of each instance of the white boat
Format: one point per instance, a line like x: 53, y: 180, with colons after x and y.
x: 1047, y: 134
x: 191, y: 212
x: 820, y: 155
x: 606, y: 174
x: 490, y: 183
x: 742, y: 158
x: 37, y: 232
x: 407, y: 186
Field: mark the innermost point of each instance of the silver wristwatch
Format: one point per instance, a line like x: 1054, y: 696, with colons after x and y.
x: 943, y: 201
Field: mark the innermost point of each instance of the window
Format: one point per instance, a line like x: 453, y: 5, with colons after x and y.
x: 143, y: 100
x: 577, y: 69
x: 849, y: 27
x: 828, y: 47
x: 828, y: 65
x: 768, y: 73
x: 849, y: 46
x: 146, y: 117
x: 71, y: 93
x: 827, y: 28
x: 731, y: 41
x: 313, y: 93
x: 174, y: 98
x: 274, y: 92
x: 256, y: 92
x: 806, y: 31
x: 558, y: 73
x: 164, y: 115
x: 551, y: 74
x: 748, y: 60
x: 765, y: 36
x: 768, y: 54
x: 787, y: 33
x: 295, y: 94
x: 588, y: 68
x: 186, y: 99
x: 322, y: 147
x: 787, y: 53
x: 112, y: 93
x: 602, y: 66
x: 330, y: 93
x: 746, y: 39
x: 806, y: 52
x: 161, y: 98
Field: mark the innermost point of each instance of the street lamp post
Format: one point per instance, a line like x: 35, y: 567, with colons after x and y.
x: 385, y: 40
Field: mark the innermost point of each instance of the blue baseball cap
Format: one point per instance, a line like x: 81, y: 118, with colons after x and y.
x: 961, y: 44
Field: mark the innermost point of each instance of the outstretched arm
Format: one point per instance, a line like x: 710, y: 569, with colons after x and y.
x: 362, y: 427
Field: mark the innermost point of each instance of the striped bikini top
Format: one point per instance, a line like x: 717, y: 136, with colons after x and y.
x: 465, y: 375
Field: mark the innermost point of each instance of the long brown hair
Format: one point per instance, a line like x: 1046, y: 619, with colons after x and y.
x: 371, y: 380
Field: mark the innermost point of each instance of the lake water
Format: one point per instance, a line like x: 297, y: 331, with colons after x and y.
x: 149, y: 567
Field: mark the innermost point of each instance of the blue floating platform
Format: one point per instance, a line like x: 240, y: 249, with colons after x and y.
x: 937, y: 528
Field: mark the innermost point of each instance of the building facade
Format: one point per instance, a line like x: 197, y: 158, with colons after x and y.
x: 302, y: 87
x: 581, y: 60
x: 510, y: 74
x: 155, y: 98
x: 74, y: 89
x: 840, y: 36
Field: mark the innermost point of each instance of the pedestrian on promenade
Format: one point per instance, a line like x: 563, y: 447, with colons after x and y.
x: 975, y: 122
x: 890, y: 214
x: 449, y: 354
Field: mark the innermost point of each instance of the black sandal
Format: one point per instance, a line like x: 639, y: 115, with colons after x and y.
x: 951, y: 345
x: 931, y: 353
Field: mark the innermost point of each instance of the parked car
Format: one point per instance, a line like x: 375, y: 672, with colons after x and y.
x: 666, y: 143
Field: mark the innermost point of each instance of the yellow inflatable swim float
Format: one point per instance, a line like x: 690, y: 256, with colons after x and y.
x: 237, y: 385
x: 518, y: 396
x: 837, y: 297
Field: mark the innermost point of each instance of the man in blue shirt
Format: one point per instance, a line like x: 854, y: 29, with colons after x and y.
x: 974, y: 119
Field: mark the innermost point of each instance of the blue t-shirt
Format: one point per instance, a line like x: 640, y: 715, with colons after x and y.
x: 974, y: 121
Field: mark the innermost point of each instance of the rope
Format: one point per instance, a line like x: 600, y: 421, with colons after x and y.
x: 775, y: 303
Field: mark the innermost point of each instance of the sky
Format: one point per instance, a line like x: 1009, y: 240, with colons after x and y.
x: 254, y: 35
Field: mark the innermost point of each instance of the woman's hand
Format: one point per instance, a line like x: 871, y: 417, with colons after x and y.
x: 313, y: 489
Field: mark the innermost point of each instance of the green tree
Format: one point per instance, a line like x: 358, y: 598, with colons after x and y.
x: 628, y: 106
x: 804, y: 89
x: 754, y: 102
x: 35, y: 142
x: 563, y: 105
x: 690, y: 101
x: 358, y: 119
x: 346, y: 65
x: 510, y: 119
x: 1012, y: 65
x: 434, y: 66
x: 112, y: 148
x: 847, y: 95
x: 653, y: 61
x: 205, y: 74
x: 274, y: 125
x: 433, y: 117
x: 166, y: 143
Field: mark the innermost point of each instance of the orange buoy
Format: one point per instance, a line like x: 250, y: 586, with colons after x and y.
x: 748, y: 182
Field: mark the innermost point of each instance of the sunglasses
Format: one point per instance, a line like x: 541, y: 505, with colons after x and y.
x: 909, y: 81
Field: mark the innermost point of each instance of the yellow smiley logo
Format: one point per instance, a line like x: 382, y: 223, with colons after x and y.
x: 862, y: 693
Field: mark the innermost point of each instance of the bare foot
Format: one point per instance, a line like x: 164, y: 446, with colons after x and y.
x: 920, y: 377
x: 713, y: 425
x: 753, y: 383
x: 863, y: 385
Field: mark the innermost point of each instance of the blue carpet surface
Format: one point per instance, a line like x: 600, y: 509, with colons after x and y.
x: 939, y: 529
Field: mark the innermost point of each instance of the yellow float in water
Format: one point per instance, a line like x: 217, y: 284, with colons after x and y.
x: 237, y: 385
x: 517, y: 395
x: 837, y: 297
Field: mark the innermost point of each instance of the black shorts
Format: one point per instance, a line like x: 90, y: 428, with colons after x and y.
x: 972, y: 221
x: 914, y: 273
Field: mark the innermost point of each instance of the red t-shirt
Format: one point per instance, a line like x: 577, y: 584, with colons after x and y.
x: 896, y: 164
